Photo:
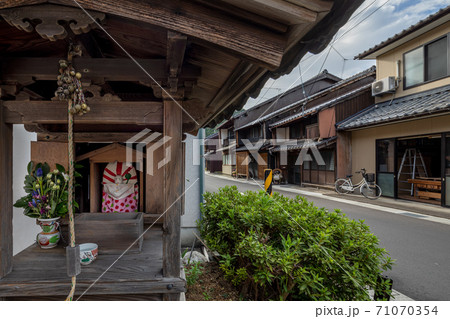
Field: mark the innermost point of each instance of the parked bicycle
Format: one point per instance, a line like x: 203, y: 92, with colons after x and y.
x: 367, y: 186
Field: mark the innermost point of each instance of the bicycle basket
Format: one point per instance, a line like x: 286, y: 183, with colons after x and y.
x: 370, y: 177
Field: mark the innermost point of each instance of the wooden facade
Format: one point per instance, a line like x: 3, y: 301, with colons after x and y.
x: 167, y: 67
x: 316, y: 121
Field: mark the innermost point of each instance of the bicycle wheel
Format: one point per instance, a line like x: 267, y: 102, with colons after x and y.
x: 342, y: 186
x: 371, y: 191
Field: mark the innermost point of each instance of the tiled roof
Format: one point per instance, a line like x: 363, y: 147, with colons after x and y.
x: 321, y: 76
x: 299, y: 145
x: 317, y: 108
x: 212, y: 136
x: 405, y: 32
x: 339, y: 84
x: 407, y: 107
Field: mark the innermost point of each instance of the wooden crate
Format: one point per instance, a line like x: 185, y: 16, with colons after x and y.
x: 112, y: 232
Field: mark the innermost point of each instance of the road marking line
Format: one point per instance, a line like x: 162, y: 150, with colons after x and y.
x: 351, y: 202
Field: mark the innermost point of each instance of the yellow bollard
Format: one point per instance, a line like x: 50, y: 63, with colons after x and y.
x: 268, y: 181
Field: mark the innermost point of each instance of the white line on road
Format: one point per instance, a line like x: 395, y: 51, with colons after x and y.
x: 351, y: 202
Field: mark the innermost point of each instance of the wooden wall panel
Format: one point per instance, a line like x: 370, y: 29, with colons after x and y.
x: 327, y: 123
x: 50, y: 152
x: 261, y: 166
x: 242, y: 163
x: 343, y: 154
x: 354, y: 105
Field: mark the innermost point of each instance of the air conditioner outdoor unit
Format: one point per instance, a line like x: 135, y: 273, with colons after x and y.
x: 386, y: 85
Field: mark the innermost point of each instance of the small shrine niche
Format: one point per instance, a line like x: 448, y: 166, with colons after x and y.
x: 116, y: 179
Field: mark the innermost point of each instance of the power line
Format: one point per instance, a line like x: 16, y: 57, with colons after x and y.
x: 332, y: 42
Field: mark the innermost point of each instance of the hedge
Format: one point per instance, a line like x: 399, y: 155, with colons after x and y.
x: 277, y: 248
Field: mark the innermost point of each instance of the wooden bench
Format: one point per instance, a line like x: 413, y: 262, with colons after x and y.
x: 427, y: 188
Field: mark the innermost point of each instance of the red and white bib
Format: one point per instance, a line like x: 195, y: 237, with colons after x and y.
x: 120, y: 189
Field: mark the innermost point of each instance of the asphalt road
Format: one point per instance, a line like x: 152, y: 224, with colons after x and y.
x: 420, y: 248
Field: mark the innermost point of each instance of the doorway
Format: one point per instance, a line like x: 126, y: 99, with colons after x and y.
x: 418, y: 172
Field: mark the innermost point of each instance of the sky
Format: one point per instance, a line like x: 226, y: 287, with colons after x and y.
x: 373, y: 22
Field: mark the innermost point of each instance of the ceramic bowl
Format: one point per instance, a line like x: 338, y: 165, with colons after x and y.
x: 88, y: 253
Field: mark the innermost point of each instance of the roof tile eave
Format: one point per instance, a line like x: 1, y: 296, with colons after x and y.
x: 435, y: 16
x: 423, y: 103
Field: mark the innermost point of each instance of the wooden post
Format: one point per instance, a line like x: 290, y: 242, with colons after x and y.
x: 6, y: 204
x: 154, y: 196
x: 173, y: 180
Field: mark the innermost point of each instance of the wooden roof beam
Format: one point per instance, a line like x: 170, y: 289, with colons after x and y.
x: 55, y: 112
x: 176, y: 48
x: 279, y: 10
x: 315, y: 5
x: 84, y: 137
x: 246, y: 15
x: 263, y: 47
x: 294, y: 11
x: 105, y: 69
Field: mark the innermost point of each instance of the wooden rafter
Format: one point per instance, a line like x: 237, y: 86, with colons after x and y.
x: 176, y: 47
x: 279, y: 10
x: 315, y: 5
x: 264, y: 47
x: 246, y: 15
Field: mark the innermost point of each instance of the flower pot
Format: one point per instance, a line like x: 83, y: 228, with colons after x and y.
x: 49, y: 236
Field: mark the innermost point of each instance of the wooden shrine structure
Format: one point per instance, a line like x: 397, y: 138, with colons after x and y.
x: 165, y: 66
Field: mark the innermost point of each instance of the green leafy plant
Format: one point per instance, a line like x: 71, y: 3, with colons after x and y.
x: 193, y: 272
x: 206, y: 296
x: 277, y: 248
x: 47, y: 192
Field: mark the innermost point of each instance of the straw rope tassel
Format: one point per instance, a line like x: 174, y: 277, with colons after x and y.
x: 70, y: 195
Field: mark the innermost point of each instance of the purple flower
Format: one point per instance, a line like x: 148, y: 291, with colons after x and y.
x: 33, y: 203
x: 35, y: 194
x: 42, y: 211
x: 39, y: 172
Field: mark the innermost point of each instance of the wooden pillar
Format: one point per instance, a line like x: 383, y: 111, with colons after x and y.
x: 6, y: 204
x: 154, y: 196
x: 343, y: 154
x: 173, y: 180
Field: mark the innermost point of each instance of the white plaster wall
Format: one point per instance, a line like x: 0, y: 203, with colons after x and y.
x: 193, y: 179
x: 24, y: 228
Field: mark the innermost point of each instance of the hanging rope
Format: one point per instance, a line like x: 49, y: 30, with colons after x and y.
x: 70, y: 89
x: 70, y: 197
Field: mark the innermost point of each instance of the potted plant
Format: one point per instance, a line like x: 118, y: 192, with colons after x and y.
x: 46, y: 200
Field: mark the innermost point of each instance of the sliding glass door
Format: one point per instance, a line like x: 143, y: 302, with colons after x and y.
x: 386, y: 166
x: 446, y: 170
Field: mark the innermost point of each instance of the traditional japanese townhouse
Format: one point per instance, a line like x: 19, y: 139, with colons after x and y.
x: 213, y: 154
x: 405, y: 136
x: 250, y: 125
x: 227, y: 145
x: 151, y: 72
x: 310, y: 123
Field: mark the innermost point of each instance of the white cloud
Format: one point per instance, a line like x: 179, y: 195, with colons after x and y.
x: 360, y: 35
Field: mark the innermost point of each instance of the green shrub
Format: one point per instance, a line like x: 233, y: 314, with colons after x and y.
x: 276, y: 248
x: 193, y: 272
